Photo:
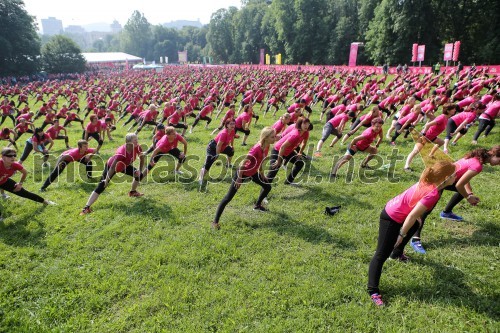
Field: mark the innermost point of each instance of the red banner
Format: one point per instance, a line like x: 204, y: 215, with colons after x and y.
x: 448, y: 51
x: 353, y: 55
x: 421, y: 53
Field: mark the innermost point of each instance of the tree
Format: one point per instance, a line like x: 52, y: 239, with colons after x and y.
x: 20, y: 44
x: 62, y: 55
x: 136, y: 36
x: 220, y: 34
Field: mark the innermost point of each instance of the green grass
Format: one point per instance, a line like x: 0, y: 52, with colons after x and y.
x: 153, y: 264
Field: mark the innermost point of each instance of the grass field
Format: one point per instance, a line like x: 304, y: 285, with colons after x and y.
x: 153, y: 264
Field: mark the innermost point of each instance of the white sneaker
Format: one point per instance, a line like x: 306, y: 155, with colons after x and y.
x: 265, y: 202
x: 51, y: 203
x: 179, y: 172
x: 5, y: 196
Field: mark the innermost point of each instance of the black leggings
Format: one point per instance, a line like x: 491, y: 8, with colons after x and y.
x: 484, y: 124
x: 129, y: 170
x: 61, y: 166
x: 211, y: 156
x: 239, y: 129
x: 27, y: 150
x: 94, y: 135
x: 8, y: 116
x: 175, y: 152
x: 452, y: 127
x: 266, y: 188
x: 206, y: 118
x: 9, y: 186
x: 454, y: 200
x: 68, y: 121
x: 387, y: 236
x: 298, y: 164
x: 132, y: 117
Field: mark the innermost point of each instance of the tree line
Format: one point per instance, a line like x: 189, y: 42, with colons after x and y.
x: 303, y: 31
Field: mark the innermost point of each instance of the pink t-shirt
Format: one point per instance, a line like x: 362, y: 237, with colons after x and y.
x: 225, y: 137
x: 438, y: 128
x: 165, y: 146
x: 412, y: 116
x: 124, y: 158
x: 53, y: 132
x: 464, y: 116
x: 245, y: 116
x: 463, y: 165
x: 93, y: 128
x: 76, y: 155
x: 337, y: 120
x: 399, y: 207
x: 7, y: 173
x: 278, y: 126
x: 255, y: 157
x: 294, y: 138
x: 175, y: 117
x: 368, y: 136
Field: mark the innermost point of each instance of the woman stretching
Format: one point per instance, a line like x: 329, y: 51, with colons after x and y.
x: 223, y: 143
x: 250, y: 169
x: 397, y: 220
x: 121, y: 161
x: 8, y: 167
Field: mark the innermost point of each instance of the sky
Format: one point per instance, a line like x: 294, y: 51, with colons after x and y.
x: 83, y: 12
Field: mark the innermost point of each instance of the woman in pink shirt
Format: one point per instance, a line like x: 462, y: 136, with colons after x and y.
x: 365, y: 120
x: 167, y: 145
x: 8, y: 167
x: 459, y: 124
x: 93, y: 130
x: 82, y: 154
x: 397, y: 220
x: 333, y: 126
x: 406, y: 123
x: 284, y: 151
x: 203, y: 115
x: 121, y: 161
x: 487, y: 119
x: 466, y: 168
x: 280, y: 125
x: 223, y: 143
x: 430, y: 133
x: 250, y: 169
x: 362, y: 143
x: 243, y: 122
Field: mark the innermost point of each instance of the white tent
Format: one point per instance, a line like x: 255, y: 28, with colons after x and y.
x: 110, y: 57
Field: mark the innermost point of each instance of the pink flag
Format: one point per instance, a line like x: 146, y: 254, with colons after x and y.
x: 448, y: 51
x: 421, y: 53
x: 414, y: 50
x: 456, y: 50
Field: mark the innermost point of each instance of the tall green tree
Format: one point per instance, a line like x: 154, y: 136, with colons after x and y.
x: 220, y: 34
x: 62, y: 55
x: 136, y: 37
x: 19, y: 42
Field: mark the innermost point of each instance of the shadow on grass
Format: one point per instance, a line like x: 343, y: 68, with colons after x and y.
x: 18, y: 233
x: 283, y: 224
x: 487, y: 235
x: 448, y: 288
x: 142, y: 207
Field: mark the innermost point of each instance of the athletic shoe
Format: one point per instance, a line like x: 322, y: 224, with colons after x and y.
x: 135, y: 194
x: 265, y: 201
x: 377, y: 300
x: 215, y: 225
x: 5, y: 196
x: 46, y: 165
x: 260, y: 208
x: 179, y: 172
x: 243, y: 144
x: 292, y: 183
x: 86, y: 211
x: 408, y: 170
x: 393, y: 143
x: 417, y: 246
x: 451, y: 216
x: 51, y: 203
x: 318, y: 154
x: 43, y: 189
x: 453, y: 143
x: 403, y: 258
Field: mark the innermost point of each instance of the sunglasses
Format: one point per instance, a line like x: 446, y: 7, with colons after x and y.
x: 10, y: 155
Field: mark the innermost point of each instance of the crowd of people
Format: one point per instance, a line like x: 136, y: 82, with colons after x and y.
x: 176, y: 100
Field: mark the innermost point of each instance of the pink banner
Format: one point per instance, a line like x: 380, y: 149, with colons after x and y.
x: 261, y: 57
x: 414, y: 50
x: 421, y: 53
x: 448, y: 51
x: 456, y: 50
x: 353, y: 55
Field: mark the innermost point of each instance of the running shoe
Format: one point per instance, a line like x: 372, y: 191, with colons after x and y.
x: 51, y: 203
x: 135, y: 194
x: 215, y: 225
x: 377, y: 300
x: 260, y: 208
x: 417, y: 246
x: 318, y: 154
x: 43, y: 189
x: 403, y: 258
x: 292, y: 183
x: 243, y: 144
x: 392, y: 143
x: 179, y: 172
x: 451, y: 216
x: 5, y: 196
x: 408, y: 170
x: 86, y: 211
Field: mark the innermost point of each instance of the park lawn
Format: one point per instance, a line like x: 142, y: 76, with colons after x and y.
x: 153, y: 264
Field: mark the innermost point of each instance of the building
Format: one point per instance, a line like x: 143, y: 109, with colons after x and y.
x: 74, y: 29
x: 115, y: 27
x: 52, y: 26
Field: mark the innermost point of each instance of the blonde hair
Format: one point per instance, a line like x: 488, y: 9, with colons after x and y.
x: 129, y: 137
x: 169, y: 130
x: 266, y: 133
x: 437, y: 173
